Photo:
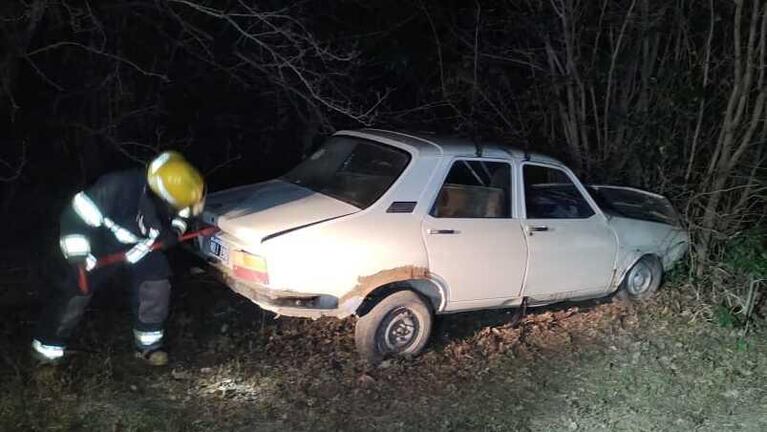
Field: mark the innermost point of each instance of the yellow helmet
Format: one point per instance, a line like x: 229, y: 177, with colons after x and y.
x: 175, y: 180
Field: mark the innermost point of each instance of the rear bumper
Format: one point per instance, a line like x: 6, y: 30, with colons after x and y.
x: 281, y: 302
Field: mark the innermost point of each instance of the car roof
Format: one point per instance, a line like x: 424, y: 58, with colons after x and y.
x: 426, y: 144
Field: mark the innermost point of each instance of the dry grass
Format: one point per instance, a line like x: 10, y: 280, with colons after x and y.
x: 601, y: 366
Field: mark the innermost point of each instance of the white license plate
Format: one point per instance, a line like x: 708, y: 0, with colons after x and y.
x: 218, y: 249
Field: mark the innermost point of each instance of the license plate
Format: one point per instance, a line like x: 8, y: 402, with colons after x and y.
x: 218, y: 249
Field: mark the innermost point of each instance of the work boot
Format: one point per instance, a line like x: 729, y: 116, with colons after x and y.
x: 156, y: 357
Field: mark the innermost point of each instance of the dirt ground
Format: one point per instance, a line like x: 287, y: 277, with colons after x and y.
x: 596, y: 366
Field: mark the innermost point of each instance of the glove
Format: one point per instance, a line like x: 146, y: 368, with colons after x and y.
x: 179, y: 225
x: 141, y: 249
x: 168, y: 238
x: 88, y: 262
x: 76, y: 260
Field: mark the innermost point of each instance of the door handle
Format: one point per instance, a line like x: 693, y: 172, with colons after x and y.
x: 441, y: 231
x: 536, y: 228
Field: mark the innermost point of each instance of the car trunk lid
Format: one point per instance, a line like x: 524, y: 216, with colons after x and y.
x: 257, y: 212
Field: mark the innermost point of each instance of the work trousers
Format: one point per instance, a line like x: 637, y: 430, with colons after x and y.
x: 150, y: 297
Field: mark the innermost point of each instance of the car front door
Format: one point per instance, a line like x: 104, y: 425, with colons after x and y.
x: 475, y: 245
x: 571, y: 248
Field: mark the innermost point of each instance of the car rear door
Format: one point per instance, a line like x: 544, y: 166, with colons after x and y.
x: 475, y: 245
x: 571, y: 248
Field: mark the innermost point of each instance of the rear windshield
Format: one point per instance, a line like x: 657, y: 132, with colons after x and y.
x: 352, y: 170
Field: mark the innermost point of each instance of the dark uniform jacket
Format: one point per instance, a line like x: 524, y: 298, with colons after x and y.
x: 130, y: 214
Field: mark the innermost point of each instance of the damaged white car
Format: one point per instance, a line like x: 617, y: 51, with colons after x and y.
x: 394, y: 228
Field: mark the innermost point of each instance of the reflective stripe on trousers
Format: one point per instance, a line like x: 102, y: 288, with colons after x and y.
x: 147, y: 339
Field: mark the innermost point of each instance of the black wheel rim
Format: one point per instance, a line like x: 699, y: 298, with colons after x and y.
x: 398, y: 331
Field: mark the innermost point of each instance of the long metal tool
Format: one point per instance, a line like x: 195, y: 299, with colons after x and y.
x: 119, y: 257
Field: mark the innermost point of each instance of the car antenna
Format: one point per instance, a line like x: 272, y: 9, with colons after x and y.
x: 478, y: 146
x: 526, y: 149
x: 475, y: 139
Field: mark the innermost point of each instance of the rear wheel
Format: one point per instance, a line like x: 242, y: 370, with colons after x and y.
x: 399, y: 325
x: 642, y: 280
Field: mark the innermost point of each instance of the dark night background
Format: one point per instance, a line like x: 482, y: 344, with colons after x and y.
x: 630, y: 92
x: 668, y: 96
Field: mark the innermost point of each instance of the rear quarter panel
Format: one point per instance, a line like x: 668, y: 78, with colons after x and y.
x: 350, y: 255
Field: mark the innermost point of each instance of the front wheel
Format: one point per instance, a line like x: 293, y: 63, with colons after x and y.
x: 642, y: 280
x: 399, y: 325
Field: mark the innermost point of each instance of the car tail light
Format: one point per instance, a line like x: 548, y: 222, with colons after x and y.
x: 249, y: 267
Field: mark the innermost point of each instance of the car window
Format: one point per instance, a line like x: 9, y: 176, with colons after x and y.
x: 475, y: 189
x: 550, y: 194
x: 352, y: 170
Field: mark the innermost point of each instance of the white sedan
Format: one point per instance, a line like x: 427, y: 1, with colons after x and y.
x: 394, y: 228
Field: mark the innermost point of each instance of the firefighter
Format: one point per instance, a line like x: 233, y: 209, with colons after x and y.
x: 123, y: 211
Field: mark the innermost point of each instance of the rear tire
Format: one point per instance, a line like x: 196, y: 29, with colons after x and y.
x: 398, y: 326
x: 642, y: 280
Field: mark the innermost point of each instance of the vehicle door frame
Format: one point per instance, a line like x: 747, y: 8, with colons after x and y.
x: 522, y: 210
x: 573, y: 178
x: 435, y: 186
x: 447, y: 163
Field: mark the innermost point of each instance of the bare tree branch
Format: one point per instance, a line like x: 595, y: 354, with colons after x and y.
x: 15, y: 169
x: 99, y: 52
x: 288, y: 46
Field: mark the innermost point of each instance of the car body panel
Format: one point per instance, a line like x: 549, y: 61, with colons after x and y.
x: 638, y: 238
x: 573, y: 257
x: 472, y: 253
x: 251, y: 213
x: 469, y: 253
